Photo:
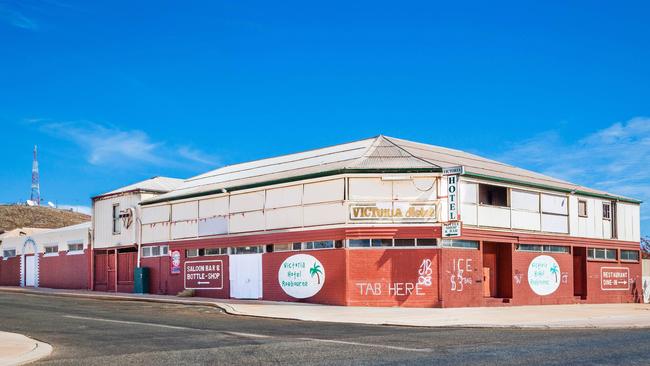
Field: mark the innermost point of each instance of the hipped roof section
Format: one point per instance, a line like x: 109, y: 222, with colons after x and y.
x: 381, y: 154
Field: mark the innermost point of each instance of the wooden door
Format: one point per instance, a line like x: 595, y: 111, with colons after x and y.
x: 486, y: 282
x: 111, y: 268
x: 579, y: 272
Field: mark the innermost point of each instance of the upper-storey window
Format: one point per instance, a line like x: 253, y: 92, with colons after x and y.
x: 116, y: 218
x: 607, y: 211
x: 493, y: 195
x: 582, y: 208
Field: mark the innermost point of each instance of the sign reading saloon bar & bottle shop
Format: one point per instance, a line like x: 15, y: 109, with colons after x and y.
x: 394, y: 211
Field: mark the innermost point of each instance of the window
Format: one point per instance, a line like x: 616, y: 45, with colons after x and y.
x: 75, y: 247
x: 582, y: 208
x: 155, y: 251
x: 189, y: 253
x: 8, y: 253
x: 542, y: 248
x: 404, y: 242
x: 358, y: 243
x: 492, y: 195
x: 425, y: 242
x: 318, y: 244
x: 630, y: 255
x: 601, y: 254
x: 215, y: 251
x: 460, y: 244
x: 381, y: 242
x: 607, y: 211
x: 52, y: 249
x: 247, y: 250
x: 116, y: 219
x: 283, y: 247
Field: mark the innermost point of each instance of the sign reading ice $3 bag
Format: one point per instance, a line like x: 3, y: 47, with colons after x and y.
x: 301, y: 276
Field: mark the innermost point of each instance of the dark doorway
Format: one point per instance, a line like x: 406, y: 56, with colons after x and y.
x: 497, y: 270
x: 580, y: 272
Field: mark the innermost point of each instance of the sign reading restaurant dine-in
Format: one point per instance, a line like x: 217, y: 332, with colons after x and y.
x: 614, y: 278
x: 204, y: 275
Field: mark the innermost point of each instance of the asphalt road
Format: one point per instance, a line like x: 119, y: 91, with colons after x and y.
x: 98, y: 332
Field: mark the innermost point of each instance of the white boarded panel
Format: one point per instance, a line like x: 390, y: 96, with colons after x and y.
x: 574, y: 222
x: 607, y: 229
x: 418, y: 189
x: 213, y: 226
x: 468, y: 214
x: 555, y: 223
x: 152, y: 233
x: 555, y: 204
x: 324, y: 214
x: 213, y: 207
x: 493, y: 216
x: 284, y: 197
x: 526, y: 220
x: 597, y: 218
x: 328, y: 191
x: 468, y: 192
x: 524, y: 200
x: 185, y: 229
x: 635, y: 216
x: 155, y: 214
x: 185, y: 211
x: 282, y: 218
x: 249, y: 221
x: 370, y: 189
x: 247, y: 202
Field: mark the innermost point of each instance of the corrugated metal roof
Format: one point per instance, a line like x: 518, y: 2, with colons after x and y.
x: 379, y: 153
x: 155, y: 184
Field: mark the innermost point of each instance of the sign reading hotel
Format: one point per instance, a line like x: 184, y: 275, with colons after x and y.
x: 452, y: 174
x: 544, y: 275
x: 301, y: 276
x: 394, y: 211
x: 614, y: 278
x: 204, y: 275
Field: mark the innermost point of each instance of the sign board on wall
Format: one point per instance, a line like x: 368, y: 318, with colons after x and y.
x: 394, y: 211
x: 544, y: 275
x: 453, y: 170
x: 452, y: 197
x: 175, y: 266
x: 204, y: 275
x: 614, y: 278
x: 451, y: 229
x: 301, y: 276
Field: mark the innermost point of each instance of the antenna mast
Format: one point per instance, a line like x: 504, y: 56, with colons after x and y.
x: 36, y: 189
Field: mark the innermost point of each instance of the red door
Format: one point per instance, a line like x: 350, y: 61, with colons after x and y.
x: 111, y: 267
x: 490, y: 273
x: 579, y: 272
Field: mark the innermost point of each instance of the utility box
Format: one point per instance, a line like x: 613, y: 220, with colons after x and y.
x: 141, y: 280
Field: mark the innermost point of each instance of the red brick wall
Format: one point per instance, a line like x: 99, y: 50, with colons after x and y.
x: 10, y: 272
x: 524, y: 295
x: 389, y: 277
x: 333, y: 291
x: 595, y: 294
x: 64, y: 271
x: 162, y: 281
x: 461, y: 275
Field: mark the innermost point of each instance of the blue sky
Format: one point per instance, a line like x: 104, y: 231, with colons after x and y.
x: 114, y: 92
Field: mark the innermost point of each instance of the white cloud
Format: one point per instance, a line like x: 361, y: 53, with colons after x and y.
x: 615, y: 159
x: 17, y: 19
x: 106, y: 145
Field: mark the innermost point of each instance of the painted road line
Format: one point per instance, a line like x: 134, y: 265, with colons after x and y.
x: 368, y: 345
x: 238, y: 334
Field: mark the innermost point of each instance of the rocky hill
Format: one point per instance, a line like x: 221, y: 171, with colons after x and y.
x: 15, y: 216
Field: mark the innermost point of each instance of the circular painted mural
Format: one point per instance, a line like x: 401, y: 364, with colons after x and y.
x: 544, y: 275
x: 301, y: 276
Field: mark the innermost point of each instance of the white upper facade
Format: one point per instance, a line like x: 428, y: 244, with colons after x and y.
x: 71, y: 239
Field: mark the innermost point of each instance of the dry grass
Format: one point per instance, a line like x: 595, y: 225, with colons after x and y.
x: 15, y: 216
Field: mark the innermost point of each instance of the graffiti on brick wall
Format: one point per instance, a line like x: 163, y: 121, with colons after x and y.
x: 565, y: 277
x: 518, y: 277
x: 424, y: 271
x: 460, y: 274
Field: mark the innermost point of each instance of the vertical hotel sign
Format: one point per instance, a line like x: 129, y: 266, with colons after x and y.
x: 452, y: 174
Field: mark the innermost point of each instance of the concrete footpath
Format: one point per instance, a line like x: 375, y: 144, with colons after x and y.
x: 544, y: 317
x: 16, y: 349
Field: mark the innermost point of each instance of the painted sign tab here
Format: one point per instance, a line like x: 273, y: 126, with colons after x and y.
x: 544, y: 275
x: 301, y: 276
x: 451, y: 229
x: 453, y: 170
x: 204, y: 275
x: 614, y: 278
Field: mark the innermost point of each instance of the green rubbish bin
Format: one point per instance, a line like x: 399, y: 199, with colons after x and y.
x: 141, y: 280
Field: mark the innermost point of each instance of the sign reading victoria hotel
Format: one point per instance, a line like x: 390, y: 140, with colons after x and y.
x: 394, y: 211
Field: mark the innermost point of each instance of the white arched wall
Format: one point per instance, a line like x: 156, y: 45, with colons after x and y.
x: 32, y: 243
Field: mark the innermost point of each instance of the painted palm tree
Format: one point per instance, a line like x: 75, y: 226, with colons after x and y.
x: 555, y: 271
x: 316, y: 271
